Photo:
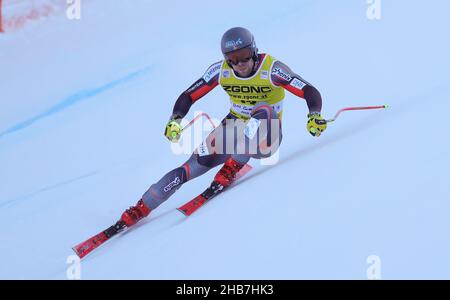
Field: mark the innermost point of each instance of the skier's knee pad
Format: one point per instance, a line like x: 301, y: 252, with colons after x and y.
x: 212, y: 160
x: 263, y: 111
x: 197, y: 165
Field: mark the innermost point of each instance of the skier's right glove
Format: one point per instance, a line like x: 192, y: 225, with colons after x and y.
x: 173, y: 129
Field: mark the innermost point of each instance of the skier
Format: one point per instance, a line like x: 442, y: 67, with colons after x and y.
x: 255, y: 83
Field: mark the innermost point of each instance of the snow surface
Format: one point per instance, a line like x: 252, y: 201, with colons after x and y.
x: 83, y: 105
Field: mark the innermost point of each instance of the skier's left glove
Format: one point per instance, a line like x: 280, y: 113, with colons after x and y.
x: 316, y: 124
x: 173, y: 129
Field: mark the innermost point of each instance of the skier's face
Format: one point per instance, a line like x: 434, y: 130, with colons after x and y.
x: 241, y: 61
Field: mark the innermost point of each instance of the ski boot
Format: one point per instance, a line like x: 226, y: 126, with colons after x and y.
x: 227, y: 174
x: 135, y: 213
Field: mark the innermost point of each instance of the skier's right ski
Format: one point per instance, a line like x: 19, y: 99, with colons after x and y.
x: 92, y: 243
x: 213, y: 190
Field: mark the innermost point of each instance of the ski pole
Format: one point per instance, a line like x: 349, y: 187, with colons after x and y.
x: 355, y: 108
x: 174, y: 134
x: 328, y: 121
x: 198, y: 117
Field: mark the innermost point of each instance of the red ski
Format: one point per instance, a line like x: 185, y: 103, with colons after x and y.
x: 190, y: 207
x: 87, y: 246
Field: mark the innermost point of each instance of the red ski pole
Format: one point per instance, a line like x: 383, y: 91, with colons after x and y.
x: 198, y: 117
x: 174, y: 134
x: 328, y: 121
x: 355, y: 108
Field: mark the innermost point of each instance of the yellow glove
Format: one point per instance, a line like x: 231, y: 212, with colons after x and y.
x: 316, y: 124
x: 173, y: 130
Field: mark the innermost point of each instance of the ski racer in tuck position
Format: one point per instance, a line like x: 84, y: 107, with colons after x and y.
x: 256, y: 84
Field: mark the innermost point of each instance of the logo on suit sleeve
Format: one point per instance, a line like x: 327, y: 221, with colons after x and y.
x: 281, y: 74
x: 298, y: 83
x: 212, y: 71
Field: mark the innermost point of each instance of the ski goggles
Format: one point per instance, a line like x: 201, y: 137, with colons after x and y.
x: 239, y: 56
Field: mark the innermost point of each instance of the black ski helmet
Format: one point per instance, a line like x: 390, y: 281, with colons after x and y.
x: 238, y: 38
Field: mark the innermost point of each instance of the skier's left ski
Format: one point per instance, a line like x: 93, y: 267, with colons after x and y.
x: 189, y: 208
x: 213, y: 190
x: 87, y: 246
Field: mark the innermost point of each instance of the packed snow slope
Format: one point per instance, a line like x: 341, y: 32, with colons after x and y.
x: 83, y: 105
